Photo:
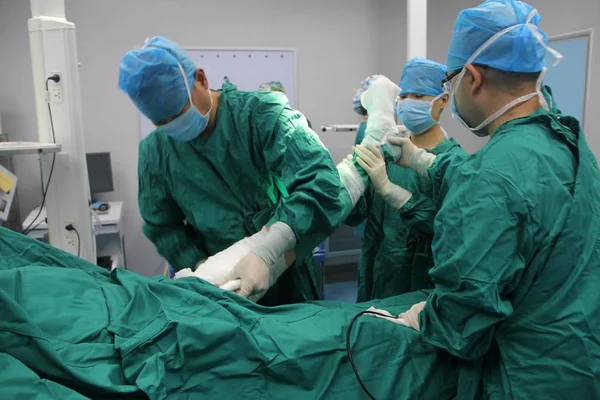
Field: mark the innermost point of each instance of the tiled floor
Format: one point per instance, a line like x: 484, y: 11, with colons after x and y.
x: 340, y: 283
x: 341, y: 291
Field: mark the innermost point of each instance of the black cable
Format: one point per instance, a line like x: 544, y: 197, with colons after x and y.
x: 70, y: 228
x: 27, y: 230
x: 348, y: 333
x: 38, y: 224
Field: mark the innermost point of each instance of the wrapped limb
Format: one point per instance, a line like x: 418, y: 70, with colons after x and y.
x: 378, y: 100
x: 217, y: 267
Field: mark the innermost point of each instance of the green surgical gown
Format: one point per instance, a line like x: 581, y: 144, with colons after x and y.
x: 396, y: 253
x: 517, y: 263
x: 200, y: 197
x: 70, y: 329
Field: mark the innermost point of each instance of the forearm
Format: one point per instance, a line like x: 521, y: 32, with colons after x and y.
x: 279, y: 239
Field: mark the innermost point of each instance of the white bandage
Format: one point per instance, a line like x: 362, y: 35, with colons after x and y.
x: 351, y: 180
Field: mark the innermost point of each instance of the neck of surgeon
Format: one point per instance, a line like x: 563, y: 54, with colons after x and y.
x: 518, y: 111
x: 429, y: 139
x: 493, y: 90
x: 212, y: 122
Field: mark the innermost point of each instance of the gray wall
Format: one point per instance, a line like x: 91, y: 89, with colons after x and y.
x: 337, y: 44
x: 558, y: 17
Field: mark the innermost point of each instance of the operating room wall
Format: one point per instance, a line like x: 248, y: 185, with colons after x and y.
x: 338, y: 43
x: 558, y: 17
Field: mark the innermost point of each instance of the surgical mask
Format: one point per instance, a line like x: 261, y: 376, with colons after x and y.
x: 189, y: 125
x: 480, y: 130
x: 416, y: 114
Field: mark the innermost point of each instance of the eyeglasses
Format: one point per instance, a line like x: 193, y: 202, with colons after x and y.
x: 447, y: 81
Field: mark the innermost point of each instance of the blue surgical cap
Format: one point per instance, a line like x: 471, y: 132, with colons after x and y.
x: 356, y: 104
x: 152, y: 78
x: 422, y: 76
x: 515, y: 51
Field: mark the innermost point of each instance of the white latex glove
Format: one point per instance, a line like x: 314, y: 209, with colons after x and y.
x: 261, y: 268
x: 217, y: 266
x: 412, y: 157
x: 255, y: 275
x: 379, y: 100
x: 372, y: 161
x: 411, y: 317
x: 388, y: 316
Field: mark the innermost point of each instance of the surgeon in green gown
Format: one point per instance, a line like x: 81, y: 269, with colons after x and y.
x: 223, y: 164
x: 396, y: 253
x: 517, y: 239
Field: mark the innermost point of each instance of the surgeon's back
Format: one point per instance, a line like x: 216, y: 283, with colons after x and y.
x: 518, y: 269
x: 551, y: 339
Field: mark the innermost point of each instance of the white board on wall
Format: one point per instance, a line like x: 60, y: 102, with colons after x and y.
x: 247, y: 69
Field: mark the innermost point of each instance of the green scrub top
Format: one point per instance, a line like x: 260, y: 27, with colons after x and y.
x: 517, y: 262
x: 396, y: 252
x: 261, y: 164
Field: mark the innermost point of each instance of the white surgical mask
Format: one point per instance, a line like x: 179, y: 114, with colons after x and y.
x: 479, y: 130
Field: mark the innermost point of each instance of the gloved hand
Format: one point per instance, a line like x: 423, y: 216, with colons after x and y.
x: 199, y: 263
x: 411, y: 317
x: 413, y: 157
x: 255, y: 275
x: 261, y: 268
x: 372, y: 161
x: 349, y: 158
x: 386, y: 315
x: 379, y: 100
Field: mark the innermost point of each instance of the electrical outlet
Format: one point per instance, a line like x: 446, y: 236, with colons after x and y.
x: 55, y: 89
x: 70, y: 236
x: 72, y: 241
x: 56, y: 95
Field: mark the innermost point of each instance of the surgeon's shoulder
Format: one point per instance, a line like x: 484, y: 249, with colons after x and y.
x: 271, y: 102
x: 152, y: 147
x: 527, y: 152
x: 148, y: 142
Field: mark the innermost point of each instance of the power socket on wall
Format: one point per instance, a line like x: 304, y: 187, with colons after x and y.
x: 55, y: 89
x: 71, y: 236
x: 72, y: 241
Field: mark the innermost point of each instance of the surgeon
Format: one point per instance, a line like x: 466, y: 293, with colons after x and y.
x: 517, y: 240
x: 222, y: 165
x: 396, y: 253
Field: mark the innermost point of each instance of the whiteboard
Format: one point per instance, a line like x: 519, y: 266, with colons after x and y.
x: 247, y: 69
x: 568, y: 79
